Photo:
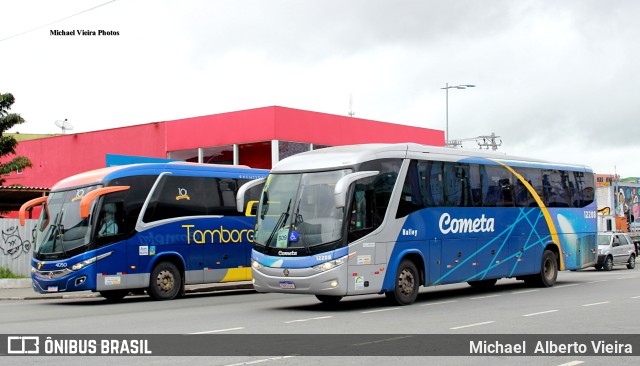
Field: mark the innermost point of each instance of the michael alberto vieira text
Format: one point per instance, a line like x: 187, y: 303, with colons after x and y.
x: 551, y: 348
x: 80, y: 32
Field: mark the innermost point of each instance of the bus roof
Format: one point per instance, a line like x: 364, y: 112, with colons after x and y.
x: 349, y: 155
x: 182, y: 168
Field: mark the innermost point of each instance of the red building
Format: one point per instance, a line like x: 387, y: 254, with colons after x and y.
x: 257, y: 137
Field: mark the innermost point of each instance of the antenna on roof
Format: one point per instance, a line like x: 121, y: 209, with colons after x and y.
x: 351, y: 112
x: 64, y: 125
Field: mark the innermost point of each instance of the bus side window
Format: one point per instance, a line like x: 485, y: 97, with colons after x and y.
x: 110, y: 223
x: 411, y: 197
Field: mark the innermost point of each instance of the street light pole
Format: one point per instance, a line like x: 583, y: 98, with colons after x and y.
x: 446, y: 89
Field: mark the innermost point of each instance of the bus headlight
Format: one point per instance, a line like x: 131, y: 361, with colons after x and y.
x: 86, y: 262
x: 255, y: 264
x: 323, y: 267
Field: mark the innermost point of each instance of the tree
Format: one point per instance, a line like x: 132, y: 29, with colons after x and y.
x: 8, y: 143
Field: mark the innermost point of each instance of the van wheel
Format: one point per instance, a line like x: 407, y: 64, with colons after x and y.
x: 165, y: 282
x: 407, y: 284
x: 608, y: 264
x: 114, y: 295
x: 632, y: 262
x: 548, y: 272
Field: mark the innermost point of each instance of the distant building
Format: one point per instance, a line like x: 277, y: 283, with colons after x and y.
x: 606, y: 180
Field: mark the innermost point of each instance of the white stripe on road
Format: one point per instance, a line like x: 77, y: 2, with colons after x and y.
x: 597, y: 303
x: 218, y: 330
x: 597, y: 281
x: 542, y: 312
x: 524, y: 291
x: 260, y: 361
x: 572, y: 363
x: 438, y: 303
x: 379, y: 310
x: 306, y: 320
x: 569, y: 285
x: 472, y: 325
x: 484, y: 297
x: 636, y: 297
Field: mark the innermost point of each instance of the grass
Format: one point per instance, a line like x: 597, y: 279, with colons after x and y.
x: 6, y: 273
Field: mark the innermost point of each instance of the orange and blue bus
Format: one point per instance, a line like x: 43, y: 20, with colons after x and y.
x: 154, y: 227
x: 389, y: 218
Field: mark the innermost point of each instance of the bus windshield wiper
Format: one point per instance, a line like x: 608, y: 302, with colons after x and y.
x: 298, y: 222
x: 279, y: 224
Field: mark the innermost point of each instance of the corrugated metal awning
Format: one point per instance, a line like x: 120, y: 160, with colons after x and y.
x: 11, y: 197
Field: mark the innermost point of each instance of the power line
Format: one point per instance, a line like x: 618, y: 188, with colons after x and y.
x: 54, y: 22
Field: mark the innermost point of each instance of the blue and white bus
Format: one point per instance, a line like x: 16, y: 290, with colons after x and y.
x: 154, y: 227
x: 388, y: 218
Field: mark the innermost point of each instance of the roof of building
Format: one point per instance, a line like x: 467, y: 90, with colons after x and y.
x: 12, y: 197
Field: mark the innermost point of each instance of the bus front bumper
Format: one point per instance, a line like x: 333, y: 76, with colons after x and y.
x: 333, y: 282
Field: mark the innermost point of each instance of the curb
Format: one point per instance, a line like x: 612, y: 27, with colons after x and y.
x: 15, y: 283
x: 86, y: 295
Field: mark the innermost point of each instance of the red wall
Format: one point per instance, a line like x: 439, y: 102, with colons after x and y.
x: 55, y: 158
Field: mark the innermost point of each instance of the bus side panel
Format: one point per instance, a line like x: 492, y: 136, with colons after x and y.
x: 111, y: 274
x: 459, y: 260
x: 434, y: 259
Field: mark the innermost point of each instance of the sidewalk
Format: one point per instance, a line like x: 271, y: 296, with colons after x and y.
x: 21, y: 289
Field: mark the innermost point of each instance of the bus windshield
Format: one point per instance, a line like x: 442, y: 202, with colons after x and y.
x: 61, y: 232
x: 298, y: 210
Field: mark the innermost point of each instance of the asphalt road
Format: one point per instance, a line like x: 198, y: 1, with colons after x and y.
x: 582, y: 302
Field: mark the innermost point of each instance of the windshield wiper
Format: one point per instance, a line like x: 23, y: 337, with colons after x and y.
x: 279, y: 224
x: 298, y: 222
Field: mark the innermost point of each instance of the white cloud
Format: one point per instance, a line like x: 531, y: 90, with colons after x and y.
x: 555, y: 80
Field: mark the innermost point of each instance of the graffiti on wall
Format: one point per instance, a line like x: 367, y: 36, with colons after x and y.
x: 13, y: 244
x: 627, y: 202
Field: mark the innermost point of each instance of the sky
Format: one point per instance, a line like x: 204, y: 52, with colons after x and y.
x: 556, y: 80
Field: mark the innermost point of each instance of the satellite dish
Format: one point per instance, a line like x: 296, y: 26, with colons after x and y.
x: 64, y: 125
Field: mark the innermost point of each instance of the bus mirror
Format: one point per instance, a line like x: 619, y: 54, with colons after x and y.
x: 342, y: 186
x: 252, y: 208
x: 87, y: 200
x: 243, y: 190
x: 27, y: 205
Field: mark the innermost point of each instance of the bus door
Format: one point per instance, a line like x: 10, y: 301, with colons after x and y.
x: 112, y: 270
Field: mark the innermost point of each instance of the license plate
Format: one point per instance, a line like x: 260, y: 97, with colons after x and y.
x: 52, y: 289
x: 287, y: 284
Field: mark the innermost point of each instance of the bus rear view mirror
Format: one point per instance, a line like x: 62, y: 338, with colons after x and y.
x: 342, y: 186
x: 243, y: 190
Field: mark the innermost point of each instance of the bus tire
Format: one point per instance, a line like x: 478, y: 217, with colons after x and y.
x: 328, y: 299
x: 406, y: 284
x: 484, y: 284
x: 165, y: 282
x: 114, y: 295
x: 548, y: 272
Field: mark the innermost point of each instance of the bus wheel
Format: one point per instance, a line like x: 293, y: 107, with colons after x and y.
x: 328, y: 299
x: 114, y: 295
x: 548, y: 272
x: 165, y: 282
x: 483, y: 283
x: 407, y: 284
